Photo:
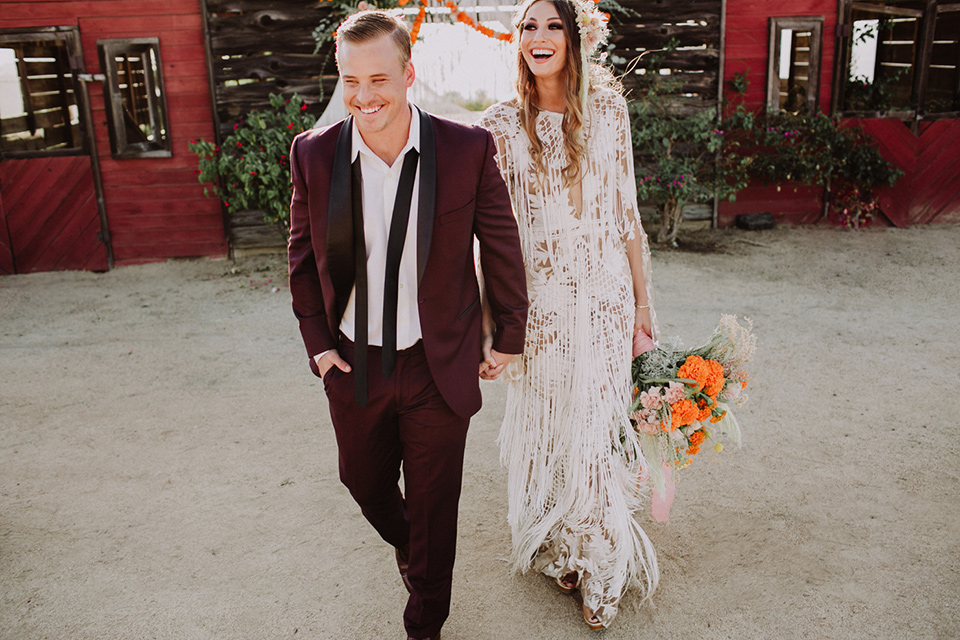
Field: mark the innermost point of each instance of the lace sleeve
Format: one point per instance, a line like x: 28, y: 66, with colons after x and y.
x: 625, y: 203
x: 628, y: 218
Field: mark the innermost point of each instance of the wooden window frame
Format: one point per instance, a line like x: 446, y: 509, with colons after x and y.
x: 813, y: 24
x: 71, y: 38
x: 120, y: 146
x: 953, y: 7
x: 924, y: 46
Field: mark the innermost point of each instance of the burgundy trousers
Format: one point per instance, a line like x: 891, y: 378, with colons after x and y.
x: 405, y: 422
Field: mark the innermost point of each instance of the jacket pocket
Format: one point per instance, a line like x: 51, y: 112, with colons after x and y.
x: 469, y: 309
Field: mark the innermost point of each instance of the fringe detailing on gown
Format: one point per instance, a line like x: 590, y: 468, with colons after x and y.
x: 566, y: 438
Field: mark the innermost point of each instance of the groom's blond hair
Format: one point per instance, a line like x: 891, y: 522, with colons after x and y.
x: 370, y: 25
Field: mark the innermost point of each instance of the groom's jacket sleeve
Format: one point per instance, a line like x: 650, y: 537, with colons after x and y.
x: 501, y: 259
x: 306, y: 288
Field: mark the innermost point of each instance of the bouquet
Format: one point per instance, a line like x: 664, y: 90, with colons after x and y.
x: 682, y: 397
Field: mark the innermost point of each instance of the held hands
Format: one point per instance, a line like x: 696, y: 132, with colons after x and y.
x: 330, y: 359
x: 494, y: 362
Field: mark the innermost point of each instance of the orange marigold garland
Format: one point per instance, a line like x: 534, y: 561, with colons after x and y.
x: 343, y: 8
x: 461, y: 16
x: 678, y: 393
x: 418, y: 21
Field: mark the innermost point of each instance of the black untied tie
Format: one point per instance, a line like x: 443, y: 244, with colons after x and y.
x: 398, y: 234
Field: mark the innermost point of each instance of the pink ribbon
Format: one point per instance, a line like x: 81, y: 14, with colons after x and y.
x: 642, y: 343
x: 660, y: 507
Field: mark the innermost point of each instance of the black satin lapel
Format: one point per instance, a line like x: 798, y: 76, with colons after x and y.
x: 428, y: 192
x: 340, y: 219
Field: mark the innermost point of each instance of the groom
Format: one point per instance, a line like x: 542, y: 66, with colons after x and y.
x: 386, y: 206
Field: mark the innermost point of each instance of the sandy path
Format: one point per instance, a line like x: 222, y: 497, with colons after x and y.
x: 168, y: 470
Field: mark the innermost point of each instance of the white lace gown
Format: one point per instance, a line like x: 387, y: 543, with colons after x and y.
x: 572, y: 497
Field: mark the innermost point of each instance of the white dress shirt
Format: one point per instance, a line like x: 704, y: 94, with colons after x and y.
x: 380, y: 182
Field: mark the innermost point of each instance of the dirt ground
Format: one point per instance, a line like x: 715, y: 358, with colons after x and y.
x: 168, y: 469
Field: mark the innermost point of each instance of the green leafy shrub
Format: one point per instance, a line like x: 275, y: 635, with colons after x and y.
x: 252, y: 170
x: 681, y: 157
x: 684, y: 157
x: 815, y: 150
x: 820, y: 150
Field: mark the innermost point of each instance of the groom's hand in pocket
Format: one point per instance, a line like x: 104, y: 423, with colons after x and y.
x: 329, y: 359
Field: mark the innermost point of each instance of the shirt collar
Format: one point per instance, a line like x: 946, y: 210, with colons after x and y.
x: 413, y: 137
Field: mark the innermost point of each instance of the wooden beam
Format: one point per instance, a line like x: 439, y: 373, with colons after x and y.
x: 841, y: 54
x: 715, y: 202
x: 86, y: 118
x: 888, y: 10
x: 25, y: 91
x: 924, y: 50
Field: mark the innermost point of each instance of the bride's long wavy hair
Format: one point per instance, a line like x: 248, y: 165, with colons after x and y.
x: 527, y: 96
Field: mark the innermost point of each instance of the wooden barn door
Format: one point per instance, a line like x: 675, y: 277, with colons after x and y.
x: 929, y: 190
x: 49, y: 214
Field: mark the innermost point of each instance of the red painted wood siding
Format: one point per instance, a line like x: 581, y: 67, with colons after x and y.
x: 930, y: 188
x: 6, y: 249
x: 50, y: 214
x: 746, y: 51
x: 929, y: 191
x: 155, y: 207
x: 748, y: 37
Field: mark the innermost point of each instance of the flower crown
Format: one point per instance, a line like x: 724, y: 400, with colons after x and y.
x: 593, y: 32
x: 593, y: 27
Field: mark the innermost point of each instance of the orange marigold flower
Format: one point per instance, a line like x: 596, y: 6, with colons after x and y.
x: 694, y: 369
x: 694, y: 450
x: 682, y: 413
x: 706, y: 409
x: 697, y: 438
x: 719, y: 417
x: 714, y: 381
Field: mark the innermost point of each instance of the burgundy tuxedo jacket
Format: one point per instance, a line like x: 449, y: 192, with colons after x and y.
x: 461, y: 196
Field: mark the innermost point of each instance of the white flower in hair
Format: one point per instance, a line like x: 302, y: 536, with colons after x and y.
x: 593, y: 26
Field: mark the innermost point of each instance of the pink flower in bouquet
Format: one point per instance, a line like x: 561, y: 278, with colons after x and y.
x: 732, y: 391
x: 675, y: 393
x: 649, y: 428
x: 651, y: 399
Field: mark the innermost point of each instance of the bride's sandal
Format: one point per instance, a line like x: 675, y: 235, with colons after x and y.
x: 567, y: 583
x: 592, y: 619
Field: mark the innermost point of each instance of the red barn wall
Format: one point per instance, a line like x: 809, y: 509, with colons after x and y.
x: 746, y: 51
x: 155, y: 206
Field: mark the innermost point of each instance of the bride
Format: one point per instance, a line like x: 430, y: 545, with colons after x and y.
x: 575, y: 472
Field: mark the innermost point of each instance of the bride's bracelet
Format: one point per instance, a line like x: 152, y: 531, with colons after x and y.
x: 643, y: 306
